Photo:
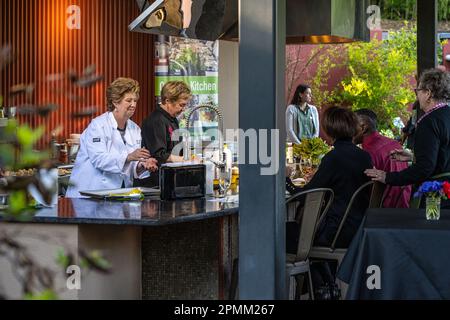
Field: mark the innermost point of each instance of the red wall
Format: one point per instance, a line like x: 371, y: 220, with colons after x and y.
x: 37, y: 31
x: 305, y: 75
x: 446, y: 51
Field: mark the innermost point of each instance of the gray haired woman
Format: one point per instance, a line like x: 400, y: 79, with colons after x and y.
x: 431, y: 157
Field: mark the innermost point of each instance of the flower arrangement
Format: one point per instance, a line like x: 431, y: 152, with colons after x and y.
x: 434, y: 191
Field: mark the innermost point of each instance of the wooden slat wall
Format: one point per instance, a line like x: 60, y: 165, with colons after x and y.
x: 37, y: 31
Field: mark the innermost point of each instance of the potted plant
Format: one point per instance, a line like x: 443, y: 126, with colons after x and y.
x: 312, y: 150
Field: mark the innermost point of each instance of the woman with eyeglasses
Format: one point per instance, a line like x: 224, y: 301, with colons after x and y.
x: 432, y: 136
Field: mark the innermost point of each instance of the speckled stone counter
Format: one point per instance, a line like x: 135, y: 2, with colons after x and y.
x: 180, y: 249
x: 149, y: 212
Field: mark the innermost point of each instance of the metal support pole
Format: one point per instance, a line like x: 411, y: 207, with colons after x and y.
x: 262, y: 213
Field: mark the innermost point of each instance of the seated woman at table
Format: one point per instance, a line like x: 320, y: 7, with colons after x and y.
x: 432, y: 136
x: 342, y: 170
x: 110, y: 153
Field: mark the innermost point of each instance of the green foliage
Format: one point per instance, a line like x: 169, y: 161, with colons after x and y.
x: 190, y: 60
x: 440, y: 51
x: 444, y: 10
x: 387, y: 133
x: 314, y: 149
x: 62, y: 259
x: 17, y: 201
x: 397, y: 9
x: 298, y: 67
x: 331, y: 59
x: 407, y: 9
x: 379, y: 74
x: 21, y: 207
x: 27, y: 137
x: 17, y: 151
x: 95, y: 260
x: 7, y: 154
x: 44, y: 295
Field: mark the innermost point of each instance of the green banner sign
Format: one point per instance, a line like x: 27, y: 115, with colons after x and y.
x: 198, y: 84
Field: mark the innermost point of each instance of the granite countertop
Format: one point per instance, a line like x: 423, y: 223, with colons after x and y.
x: 149, y: 212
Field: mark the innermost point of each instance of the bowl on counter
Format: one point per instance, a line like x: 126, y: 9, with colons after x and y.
x: 64, y: 173
x: 65, y: 170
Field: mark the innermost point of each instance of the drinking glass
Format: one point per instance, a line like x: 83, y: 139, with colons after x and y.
x: 293, y: 172
x: 224, y: 181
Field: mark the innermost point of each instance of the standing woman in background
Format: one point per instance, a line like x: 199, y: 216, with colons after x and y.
x: 302, y: 118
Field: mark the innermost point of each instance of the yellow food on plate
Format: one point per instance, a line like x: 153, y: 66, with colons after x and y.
x: 135, y: 193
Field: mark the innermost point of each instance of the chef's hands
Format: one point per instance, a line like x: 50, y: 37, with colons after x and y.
x: 145, y: 161
x: 150, y: 164
x: 401, y: 155
x: 141, y: 154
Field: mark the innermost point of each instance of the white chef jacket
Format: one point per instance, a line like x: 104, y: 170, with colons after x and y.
x: 101, y: 160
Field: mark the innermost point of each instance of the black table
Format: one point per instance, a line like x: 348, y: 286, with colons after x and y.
x: 413, y: 256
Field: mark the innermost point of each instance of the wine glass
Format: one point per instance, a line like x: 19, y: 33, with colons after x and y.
x: 224, y: 181
x: 293, y: 170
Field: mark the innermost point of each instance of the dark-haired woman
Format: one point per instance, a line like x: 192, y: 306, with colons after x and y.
x: 302, y: 118
x: 342, y: 170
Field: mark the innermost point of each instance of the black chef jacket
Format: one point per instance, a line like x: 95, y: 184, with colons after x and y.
x: 157, y: 130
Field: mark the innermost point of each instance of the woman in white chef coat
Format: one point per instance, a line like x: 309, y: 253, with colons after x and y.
x: 110, y: 154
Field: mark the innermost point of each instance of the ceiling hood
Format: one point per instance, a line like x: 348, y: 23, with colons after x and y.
x: 307, y: 21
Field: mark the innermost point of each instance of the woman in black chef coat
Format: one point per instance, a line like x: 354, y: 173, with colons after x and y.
x: 158, y: 128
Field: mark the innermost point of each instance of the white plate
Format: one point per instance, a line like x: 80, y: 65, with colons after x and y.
x: 299, y: 182
x: 68, y: 166
x: 102, y: 194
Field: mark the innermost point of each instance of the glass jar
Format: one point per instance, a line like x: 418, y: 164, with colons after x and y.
x: 433, y: 208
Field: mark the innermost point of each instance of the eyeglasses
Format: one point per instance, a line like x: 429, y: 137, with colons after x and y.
x: 418, y: 89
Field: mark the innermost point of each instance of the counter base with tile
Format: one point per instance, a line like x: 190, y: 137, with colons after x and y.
x: 158, y: 249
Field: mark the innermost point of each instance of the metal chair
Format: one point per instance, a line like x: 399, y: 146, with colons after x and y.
x: 298, y: 264
x: 333, y: 253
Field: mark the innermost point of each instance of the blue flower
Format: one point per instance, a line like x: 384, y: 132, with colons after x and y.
x: 429, y: 187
